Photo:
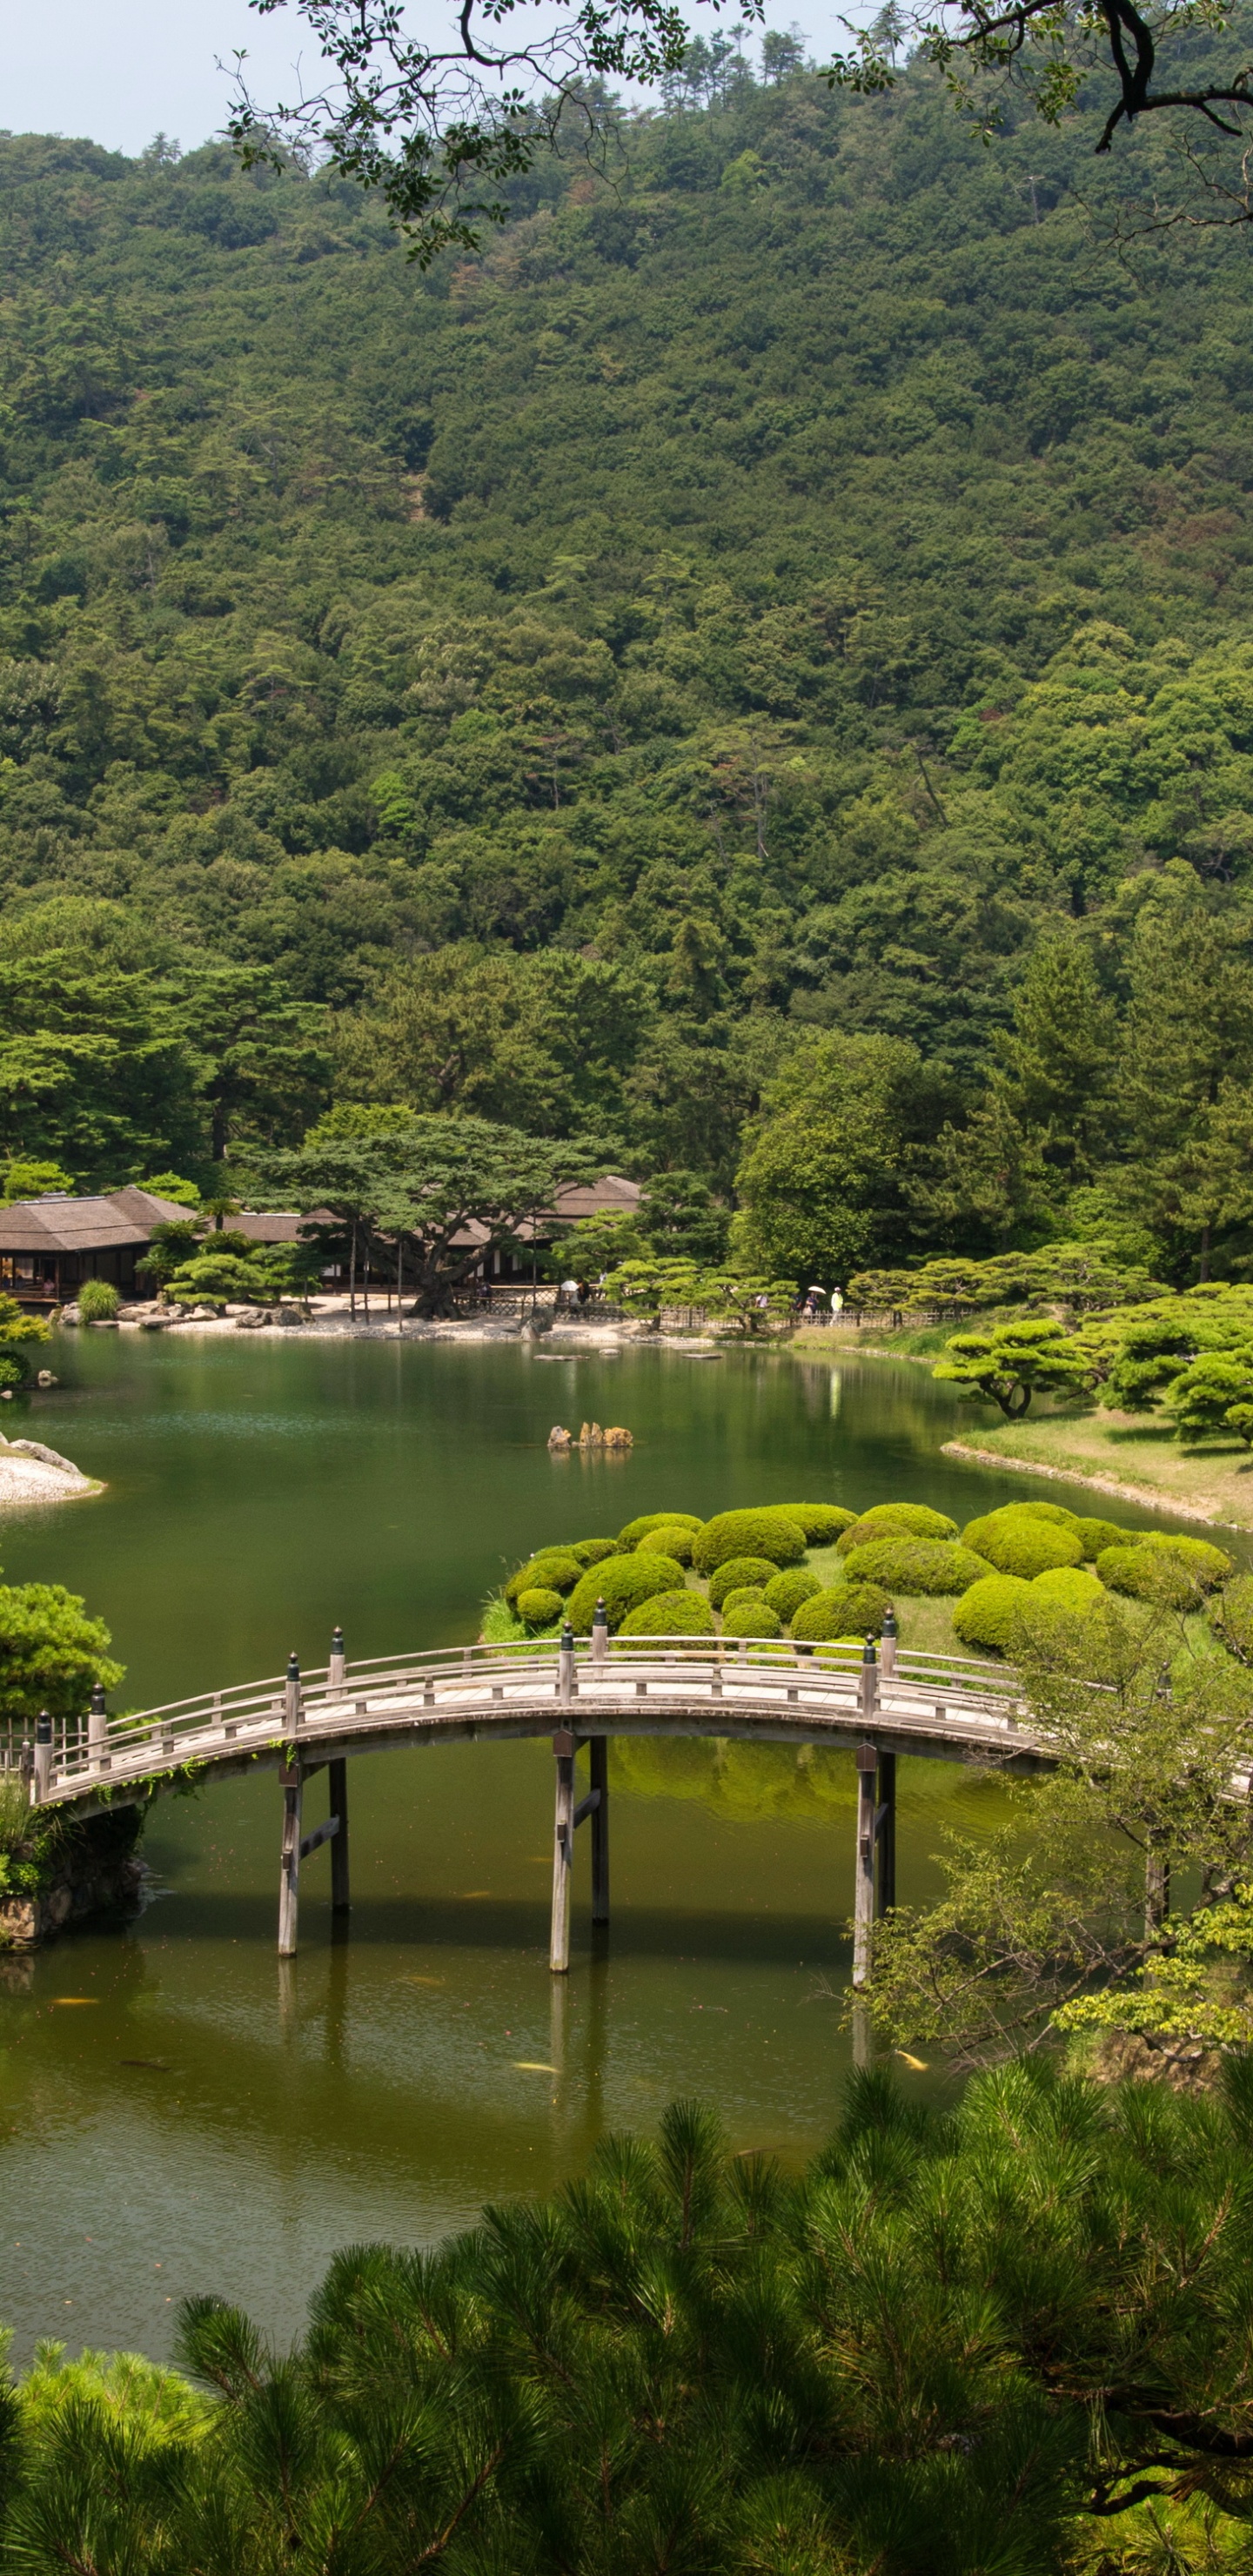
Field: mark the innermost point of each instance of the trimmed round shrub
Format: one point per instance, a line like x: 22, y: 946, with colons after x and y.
x: 763, y: 1533
x: 537, y: 1607
x: 740, y: 1573
x: 1100, y: 1534
x: 916, y: 1565
x: 987, y: 1616
x: 1020, y: 1542
x: 753, y: 1618
x: 842, y: 1610
x: 1206, y: 1563
x: 670, y: 1614
x: 673, y: 1539
x: 821, y: 1522
x: 785, y: 1592
x: 625, y: 1581
x: 555, y: 1569
x: 734, y: 1602
x: 1071, y: 1586
x: 883, y: 1520
x: 1047, y: 1512
x: 593, y: 1551
x: 1158, y: 1569
x: 636, y: 1530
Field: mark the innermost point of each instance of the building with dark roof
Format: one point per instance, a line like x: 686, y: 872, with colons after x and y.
x: 49, y: 1246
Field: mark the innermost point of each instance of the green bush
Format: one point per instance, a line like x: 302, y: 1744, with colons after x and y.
x: 1099, y: 1534
x: 636, y: 1530
x: 785, y: 1592
x: 50, y: 1653
x: 670, y: 1614
x: 672, y: 1539
x: 1055, y: 1512
x: 753, y: 1618
x: 625, y: 1581
x: 538, y: 1608
x: 987, y: 1616
x: 758, y: 1533
x: 97, y: 1301
x: 754, y: 1571
x: 1071, y: 1585
x: 1019, y: 1542
x: 916, y: 1565
x: 1159, y: 1568
x: 842, y: 1610
x: 734, y: 1602
x: 821, y: 1522
x: 593, y: 1551
x: 555, y: 1569
x: 883, y: 1520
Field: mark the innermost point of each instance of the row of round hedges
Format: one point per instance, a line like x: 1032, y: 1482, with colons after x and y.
x: 635, y: 1530
x: 674, y: 1538
x: 785, y: 1592
x: 916, y: 1565
x: 822, y: 1523
x: 762, y: 1533
x: 1022, y: 1542
x: 555, y: 1569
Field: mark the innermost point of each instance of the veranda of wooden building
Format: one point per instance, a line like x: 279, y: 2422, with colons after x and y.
x: 49, y: 1246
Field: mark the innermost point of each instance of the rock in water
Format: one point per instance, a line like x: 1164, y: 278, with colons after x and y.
x: 558, y: 1438
x: 617, y: 1437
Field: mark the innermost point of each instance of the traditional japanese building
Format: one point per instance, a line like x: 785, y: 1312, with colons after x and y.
x: 49, y: 1246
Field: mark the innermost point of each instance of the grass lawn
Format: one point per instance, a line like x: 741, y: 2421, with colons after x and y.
x: 1127, y: 1454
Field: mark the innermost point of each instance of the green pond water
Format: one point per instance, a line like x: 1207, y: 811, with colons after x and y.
x: 179, y: 2111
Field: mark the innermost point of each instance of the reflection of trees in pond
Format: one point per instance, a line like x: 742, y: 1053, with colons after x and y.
x: 757, y: 1783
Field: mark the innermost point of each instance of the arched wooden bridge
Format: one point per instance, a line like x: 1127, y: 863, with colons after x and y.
x: 300, y: 1724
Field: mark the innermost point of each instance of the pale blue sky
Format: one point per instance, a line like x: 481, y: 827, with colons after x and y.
x: 120, y: 70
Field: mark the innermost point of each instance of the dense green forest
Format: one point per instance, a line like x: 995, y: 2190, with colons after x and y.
x: 772, y: 627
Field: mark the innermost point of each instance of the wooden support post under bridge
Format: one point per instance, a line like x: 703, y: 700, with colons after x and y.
x: 298, y: 1847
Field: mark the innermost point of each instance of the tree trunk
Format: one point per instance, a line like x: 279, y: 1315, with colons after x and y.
x: 1156, y: 1890
x: 1205, y: 1251
x: 352, y: 1270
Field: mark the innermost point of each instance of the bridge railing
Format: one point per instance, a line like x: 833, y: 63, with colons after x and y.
x: 282, y: 1705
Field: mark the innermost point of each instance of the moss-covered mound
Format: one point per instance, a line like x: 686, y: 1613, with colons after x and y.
x: 734, y: 1602
x: 637, y: 1529
x: 1018, y: 1541
x: 670, y: 1614
x: 1097, y: 1535
x: 752, y: 1617
x: 625, y: 1581
x: 1055, y: 1512
x: 987, y: 1616
x: 1175, y: 1571
x: 753, y: 1533
x: 916, y: 1565
x: 885, y: 1520
x: 538, y: 1608
x: 1071, y: 1587
x: 593, y: 1551
x: 674, y: 1539
x: 555, y: 1569
x: 785, y: 1592
x: 739, y: 1571
x: 842, y: 1610
x: 821, y: 1522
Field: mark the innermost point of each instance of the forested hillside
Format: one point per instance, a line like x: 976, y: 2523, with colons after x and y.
x: 775, y: 592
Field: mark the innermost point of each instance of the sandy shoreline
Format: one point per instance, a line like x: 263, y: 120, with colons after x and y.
x: 31, y: 1473
x: 1149, y: 1499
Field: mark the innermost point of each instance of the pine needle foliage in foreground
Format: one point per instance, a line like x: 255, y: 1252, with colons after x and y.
x: 961, y: 2341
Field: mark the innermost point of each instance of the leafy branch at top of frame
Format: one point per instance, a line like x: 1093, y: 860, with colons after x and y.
x: 440, y: 128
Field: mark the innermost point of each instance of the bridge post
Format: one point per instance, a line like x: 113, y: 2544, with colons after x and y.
x: 887, y: 1646
x: 292, y: 1700
x: 97, y: 1724
x: 337, y: 1668
x: 600, y: 1633
x: 885, y: 1823
x: 291, y: 1779
x: 598, y: 1748
x: 42, y: 1781
x: 563, y: 1852
x: 337, y: 1775
x: 863, y: 1883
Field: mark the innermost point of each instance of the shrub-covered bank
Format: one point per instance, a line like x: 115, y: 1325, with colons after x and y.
x: 820, y: 1575
x: 1009, y: 2337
